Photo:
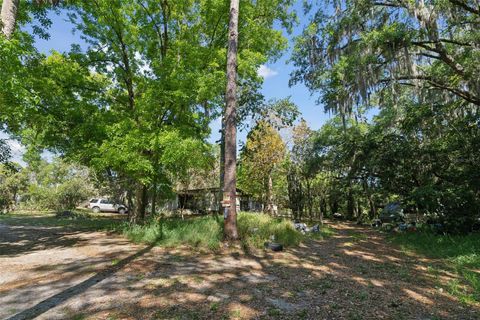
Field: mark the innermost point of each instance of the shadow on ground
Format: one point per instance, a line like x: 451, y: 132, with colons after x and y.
x: 352, y: 275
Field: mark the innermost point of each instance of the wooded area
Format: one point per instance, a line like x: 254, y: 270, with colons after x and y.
x: 128, y: 114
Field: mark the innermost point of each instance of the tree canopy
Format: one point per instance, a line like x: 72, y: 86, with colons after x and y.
x: 150, y: 71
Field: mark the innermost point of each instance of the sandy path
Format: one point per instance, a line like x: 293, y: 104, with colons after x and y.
x: 59, y: 274
x: 39, y: 262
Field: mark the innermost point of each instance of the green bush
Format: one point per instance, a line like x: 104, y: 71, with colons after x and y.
x: 257, y: 228
x: 204, y: 232
x: 12, y: 183
x: 207, y: 232
x: 57, y: 186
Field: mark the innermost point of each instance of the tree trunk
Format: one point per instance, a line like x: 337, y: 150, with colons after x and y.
x: 130, y: 204
x: 350, y: 203
x: 270, y: 196
x: 323, y: 210
x: 359, y: 210
x: 140, y: 204
x: 154, y: 199
x: 309, y: 198
x: 222, y: 166
x: 334, y: 206
x: 9, y: 17
x: 231, y: 232
x: 371, y: 203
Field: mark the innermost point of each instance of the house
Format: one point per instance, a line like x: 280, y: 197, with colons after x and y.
x: 207, y: 200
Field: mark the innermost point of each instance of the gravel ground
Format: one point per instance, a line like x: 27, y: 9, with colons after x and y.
x: 55, y: 273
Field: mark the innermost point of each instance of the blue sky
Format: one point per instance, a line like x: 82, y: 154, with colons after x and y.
x: 277, y: 75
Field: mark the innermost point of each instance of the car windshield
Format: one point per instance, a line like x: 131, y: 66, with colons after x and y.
x: 93, y: 200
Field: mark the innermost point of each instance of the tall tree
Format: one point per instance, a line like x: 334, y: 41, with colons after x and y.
x: 263, y: 152
x: 9, y: 17
x: 303, y: 158
x: 10, y: 12
x: 140, y: 75
x: 352, y: 50
x: 230, y: 175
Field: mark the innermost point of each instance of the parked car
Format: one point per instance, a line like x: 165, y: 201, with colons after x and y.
x: 105, y: 205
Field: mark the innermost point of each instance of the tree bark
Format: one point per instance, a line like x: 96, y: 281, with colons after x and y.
x: 323, y: 210
x: 140, y: 203
x: 270, y: 196
x: 9, y: 17
x: 309, y: 198
x: 154, y: 199
x: 222, y: 166
x: 231, y: 232
x: 373, y: 211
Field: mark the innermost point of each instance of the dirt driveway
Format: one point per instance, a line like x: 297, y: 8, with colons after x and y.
x: 58, y: 273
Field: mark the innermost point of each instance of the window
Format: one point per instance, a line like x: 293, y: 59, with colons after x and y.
x: 93, y: 200
x: 105, y: 201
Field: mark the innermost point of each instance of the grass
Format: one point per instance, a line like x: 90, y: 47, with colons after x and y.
x: 197, y: 232
x: 207, y: 232
x: 255, y: 229
x: 460, y: 254
x: 358, y: 236
x: 82, y: 220
x: 201, y: 232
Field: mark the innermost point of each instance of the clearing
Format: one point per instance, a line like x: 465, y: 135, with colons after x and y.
x: 62, y: 272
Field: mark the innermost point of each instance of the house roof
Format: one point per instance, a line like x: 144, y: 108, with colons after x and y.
x: 203, y: 190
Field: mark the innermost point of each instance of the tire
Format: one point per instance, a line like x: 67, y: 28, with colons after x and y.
x: 273, y: 246
x: 121, y: 210
x: 96, y: 209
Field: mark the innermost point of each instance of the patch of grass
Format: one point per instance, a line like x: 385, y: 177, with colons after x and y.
x: 207, y: 232
x: 361, y: 295
x: 352, y: 315
x: 81, y: 221
x: 460, y: 254
x: 214, y: 306
x: 235, y: 314
x: 201, y: 232
x: 197, y: 232
x: 274, y: 312
x: 302, y: 314
x: 358, y: 236
x: 327, y: 232
x: 257, y: 228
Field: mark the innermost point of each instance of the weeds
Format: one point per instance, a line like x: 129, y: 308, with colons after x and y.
x: 460, y: 254
x: 207, y: 232
x: 204, y: 232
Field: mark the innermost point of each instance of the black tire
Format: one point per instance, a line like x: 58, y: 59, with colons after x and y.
x: 121, y: 210
x: 96, y: 209
x: 273, y: 246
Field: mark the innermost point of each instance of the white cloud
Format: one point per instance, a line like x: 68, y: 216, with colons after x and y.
x: 265, y: 72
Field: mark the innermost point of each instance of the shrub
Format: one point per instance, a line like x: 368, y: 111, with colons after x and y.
x: 58, y: 186
x: 197, y: 232
x: 257, y: 228
x: 12, y: 182
x: 207, y: 232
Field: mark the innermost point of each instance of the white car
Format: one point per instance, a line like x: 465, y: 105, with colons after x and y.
x: 104, y: 205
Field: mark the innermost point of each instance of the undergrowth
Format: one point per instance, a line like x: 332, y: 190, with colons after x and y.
x: 460, y: 254
x: 254, y: 230
x: 199, y: 232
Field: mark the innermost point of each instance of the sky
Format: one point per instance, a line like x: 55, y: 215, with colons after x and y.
x: 276, y: 77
